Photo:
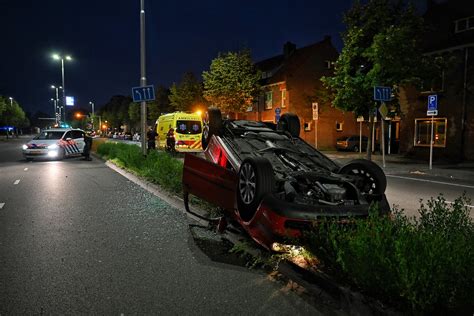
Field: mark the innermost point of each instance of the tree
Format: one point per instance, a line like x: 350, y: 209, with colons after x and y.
x: 381, y: 47
x: 232, y: 82
x: 11, y: 113
x: 187, y: 94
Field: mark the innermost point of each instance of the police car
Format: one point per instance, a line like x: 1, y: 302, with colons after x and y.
x: 56, y: 143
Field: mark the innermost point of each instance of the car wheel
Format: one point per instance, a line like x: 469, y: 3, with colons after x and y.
x: 370, y: 177
x: 355, y: 149
x: 256, y: 179
x: 212, y: 125
x: 290, y: 123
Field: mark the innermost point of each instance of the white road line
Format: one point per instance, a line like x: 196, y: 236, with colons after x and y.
x: 26, y: 169
x: 16, y: 182
x: 2, y: 205
x: 431, y: 181
x: 470, y: 206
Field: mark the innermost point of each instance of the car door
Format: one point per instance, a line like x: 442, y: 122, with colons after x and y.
x: 78, y: 137
x: 67, y: 143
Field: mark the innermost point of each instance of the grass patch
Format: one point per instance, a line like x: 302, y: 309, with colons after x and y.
x: 157, y: 167
x: 424, y: 264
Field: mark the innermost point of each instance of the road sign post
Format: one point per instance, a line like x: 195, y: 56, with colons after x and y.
x: 432, y: 111
x: 315, y: 118
x: 360, y: 119
x: 383, y: 94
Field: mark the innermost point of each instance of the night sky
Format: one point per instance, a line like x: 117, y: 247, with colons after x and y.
x: 103, y: 39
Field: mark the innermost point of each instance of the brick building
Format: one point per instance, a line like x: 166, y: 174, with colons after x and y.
x: 291, y: 82
x: 450, y: 36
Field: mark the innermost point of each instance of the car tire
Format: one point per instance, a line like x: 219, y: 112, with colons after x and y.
x: 212, y: 125
x: 371, y: 178
x: 290, y: 123
x: 255, y: 180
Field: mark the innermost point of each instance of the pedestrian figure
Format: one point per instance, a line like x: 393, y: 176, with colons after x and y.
x: 170, y: 141
x: 87, y: 146
x: 151, y: 139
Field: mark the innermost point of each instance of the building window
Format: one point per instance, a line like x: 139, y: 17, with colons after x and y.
x: 465, y: 24
x: 339, y: 126
x: 268, y: 100
x: 283, y: 98
x: 307, y: 126
x: 423, y: 132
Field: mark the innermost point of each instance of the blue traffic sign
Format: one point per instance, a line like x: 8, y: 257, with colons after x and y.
x: 382, y: 93
x: 145, y: 93
x: 432, y: 102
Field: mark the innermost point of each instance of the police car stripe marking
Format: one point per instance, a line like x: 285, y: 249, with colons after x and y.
x: 2, y: 205
x: 16, y: 182
x: 68, y: 151
x: 77, y: 148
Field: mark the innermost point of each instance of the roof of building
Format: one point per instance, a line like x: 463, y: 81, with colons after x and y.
x: 275, y: 68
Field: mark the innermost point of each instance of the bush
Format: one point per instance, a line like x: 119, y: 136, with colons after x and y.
x: 426, y: 263
x: 157, y: 167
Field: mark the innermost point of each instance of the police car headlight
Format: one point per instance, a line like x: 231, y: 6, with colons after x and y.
x: 53, y: 153
x: 53, y: 146
x: 24, y: 147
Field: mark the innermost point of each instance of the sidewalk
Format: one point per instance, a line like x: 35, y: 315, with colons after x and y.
x: 396, y: 164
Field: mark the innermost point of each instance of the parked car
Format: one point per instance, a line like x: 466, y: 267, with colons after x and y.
x: 351, y: 143
x: 273, y: 183
x: 56, y: 143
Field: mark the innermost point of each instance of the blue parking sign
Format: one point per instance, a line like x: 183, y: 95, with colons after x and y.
x: 432, y: 102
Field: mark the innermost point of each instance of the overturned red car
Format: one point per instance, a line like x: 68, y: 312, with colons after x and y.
x: 273, y: 183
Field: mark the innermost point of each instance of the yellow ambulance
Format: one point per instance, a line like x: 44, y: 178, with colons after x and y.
x: 179, y: 131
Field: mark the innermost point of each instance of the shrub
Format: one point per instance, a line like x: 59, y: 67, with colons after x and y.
x: 426, y: 263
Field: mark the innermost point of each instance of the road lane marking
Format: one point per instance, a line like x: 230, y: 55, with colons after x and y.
x: 432, y: 181
x: 16, y: 182
x: 26, y: 169
x: 2, y: 205
x: 470, y: 206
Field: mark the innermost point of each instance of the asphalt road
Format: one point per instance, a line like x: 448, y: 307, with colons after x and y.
x: 78, y: 238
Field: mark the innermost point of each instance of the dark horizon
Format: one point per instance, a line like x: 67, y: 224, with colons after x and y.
x: 103, y: 39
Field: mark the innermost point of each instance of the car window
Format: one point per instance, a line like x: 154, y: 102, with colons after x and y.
x: 50, y: 135
x: 188, y: 127
x: 77, y: 134
x: 67, y: 135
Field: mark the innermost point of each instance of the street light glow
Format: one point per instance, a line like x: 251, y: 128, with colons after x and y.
x: 68, y: 57
x: 56, y: 56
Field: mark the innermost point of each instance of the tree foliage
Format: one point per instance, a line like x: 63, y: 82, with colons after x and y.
x: 11, y: 113
x: 232, y: 81
x: 381, y: 47
x: 186, y: 95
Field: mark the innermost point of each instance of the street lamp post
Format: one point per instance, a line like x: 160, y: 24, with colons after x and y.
x: 56, y: 107
x: 93, y: 115
x: 11, y: 108
x: 67, y: 57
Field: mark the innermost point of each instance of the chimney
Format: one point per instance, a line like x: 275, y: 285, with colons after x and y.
x: 288, y: 49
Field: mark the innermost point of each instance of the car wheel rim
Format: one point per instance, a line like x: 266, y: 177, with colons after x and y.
x: 247, y: 184
x: 369, y: 184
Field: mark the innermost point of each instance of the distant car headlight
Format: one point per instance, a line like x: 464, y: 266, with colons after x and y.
x: 24, y: 147
x: 53, y: 146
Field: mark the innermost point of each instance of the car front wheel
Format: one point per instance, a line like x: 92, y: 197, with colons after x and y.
x: 256, y: 179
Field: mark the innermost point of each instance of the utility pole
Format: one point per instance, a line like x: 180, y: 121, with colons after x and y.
x: 143, y: 74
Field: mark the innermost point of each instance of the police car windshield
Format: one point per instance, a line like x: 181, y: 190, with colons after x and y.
x: 50, y: 135
x: 188, y: 127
